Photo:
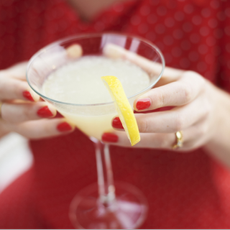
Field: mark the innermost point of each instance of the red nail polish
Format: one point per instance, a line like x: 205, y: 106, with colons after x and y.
x: 116, y: 123
x: 44, y: 112
x: 64, y: 127
x: 26, y: 94
x: 143, y: 104
x: 110, y: 137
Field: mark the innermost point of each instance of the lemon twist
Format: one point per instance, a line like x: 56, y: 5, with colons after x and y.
x: 123, y: 107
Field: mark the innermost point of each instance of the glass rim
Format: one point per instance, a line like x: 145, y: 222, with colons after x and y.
x: 87, y: 36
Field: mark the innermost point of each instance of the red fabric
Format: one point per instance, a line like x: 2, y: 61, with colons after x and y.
x: 183, y: 190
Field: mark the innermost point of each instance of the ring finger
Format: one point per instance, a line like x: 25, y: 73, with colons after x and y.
x: 155, y: 140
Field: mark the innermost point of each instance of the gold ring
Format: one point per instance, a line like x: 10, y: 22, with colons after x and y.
x: 179, y: 140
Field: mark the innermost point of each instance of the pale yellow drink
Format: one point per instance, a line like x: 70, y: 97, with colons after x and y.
x: 80, y: 83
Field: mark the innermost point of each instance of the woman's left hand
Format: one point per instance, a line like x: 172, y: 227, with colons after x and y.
x: 195, y: 112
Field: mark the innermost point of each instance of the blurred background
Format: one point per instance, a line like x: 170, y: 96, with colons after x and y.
x: 15, y: 158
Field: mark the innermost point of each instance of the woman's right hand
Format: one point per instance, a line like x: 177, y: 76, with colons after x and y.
x: 22, y: 112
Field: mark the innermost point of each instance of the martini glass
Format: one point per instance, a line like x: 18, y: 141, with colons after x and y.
x: 105, y: 204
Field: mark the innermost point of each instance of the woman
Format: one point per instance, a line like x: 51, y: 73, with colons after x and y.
x: 186, y: 184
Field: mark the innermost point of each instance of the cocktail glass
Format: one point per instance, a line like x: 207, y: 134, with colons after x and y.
x: 104, y: 204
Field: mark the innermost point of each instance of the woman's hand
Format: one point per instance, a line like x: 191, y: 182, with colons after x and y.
x: 198, y: 108
x: 194, y: 112
x: 21, y: 110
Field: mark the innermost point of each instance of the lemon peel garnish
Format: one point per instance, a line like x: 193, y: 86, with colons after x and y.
x: 123, y: 107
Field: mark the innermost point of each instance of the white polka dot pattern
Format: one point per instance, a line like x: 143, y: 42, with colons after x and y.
x: 183, y: 190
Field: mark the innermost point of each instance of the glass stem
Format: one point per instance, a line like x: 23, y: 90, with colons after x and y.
x: 104, y: 173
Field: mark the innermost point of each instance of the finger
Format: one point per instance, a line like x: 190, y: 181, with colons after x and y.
x: 173, y: 120
x: 193, y: 137
x: 177, y: 93
x: 19, y: 112
x: 169, y: 75
x: 74, y: 51
x: 11, y: 89
x: 18, y: 71
x: 44, y: 128
x: 51, y: 60
x: 148, y: 140
x: 198, y: 135
x: 150, y: 66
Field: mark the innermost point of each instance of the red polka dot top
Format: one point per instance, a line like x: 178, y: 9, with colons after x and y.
x: 183, y: 190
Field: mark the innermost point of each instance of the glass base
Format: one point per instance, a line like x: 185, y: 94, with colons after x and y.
x: 127, y: 211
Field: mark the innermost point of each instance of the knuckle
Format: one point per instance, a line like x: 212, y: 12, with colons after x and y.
x: 187, y: 92
x: 143, y: 126
x: 7, y: 114
x: 207, y: 108
x: 195, y: 76
x: 202, y: 130
x: 18, y: 88
x: 178, y: 123
x: 26, y: 113
x: 206, y: 111
x: 164, y: 142
x: 160, y: 98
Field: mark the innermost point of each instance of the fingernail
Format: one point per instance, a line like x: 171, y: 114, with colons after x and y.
x: 44, y: 112
x: 116, y: 123
x: 26, y: 94
x: 143, y: 104
x: 110, y: 137
x: 64, y: 127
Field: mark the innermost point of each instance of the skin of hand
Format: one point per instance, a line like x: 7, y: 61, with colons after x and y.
x: 199, y: 109
x: 22, y: 110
